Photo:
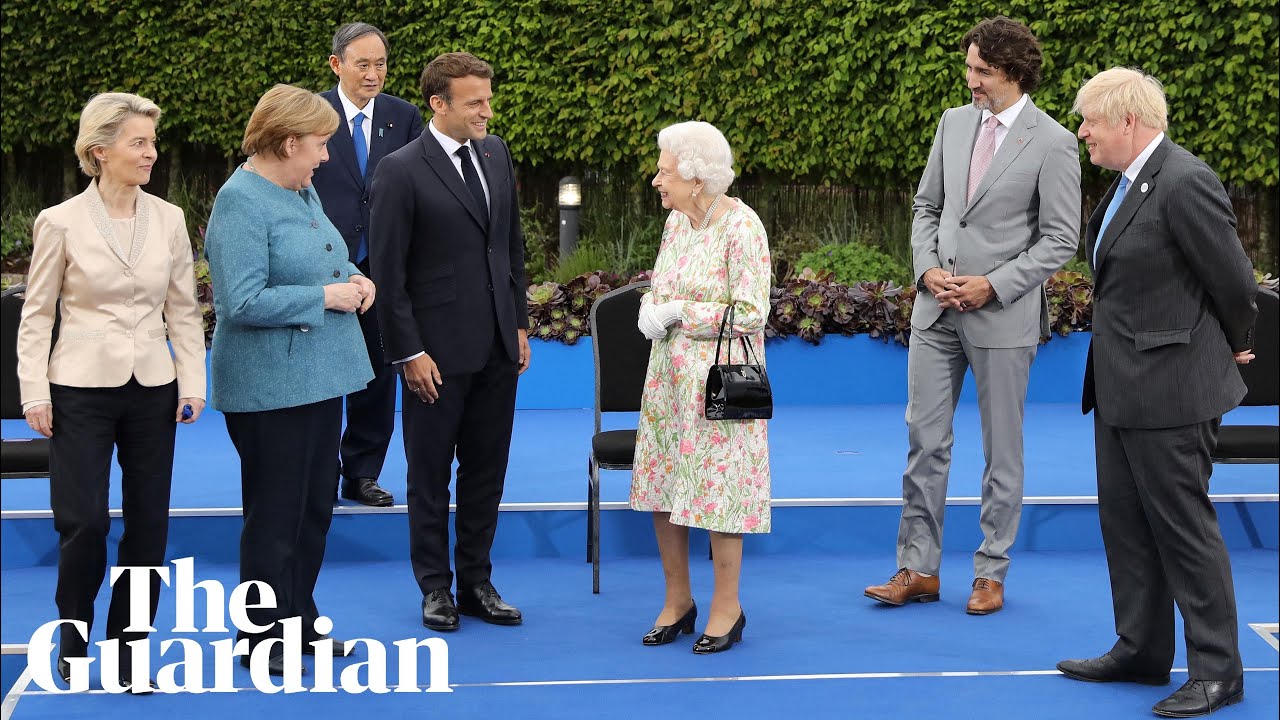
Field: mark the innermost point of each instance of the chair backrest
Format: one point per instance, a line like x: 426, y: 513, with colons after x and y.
x: 10, y: 317
x: 621, y: 350
x: 1260, y: 375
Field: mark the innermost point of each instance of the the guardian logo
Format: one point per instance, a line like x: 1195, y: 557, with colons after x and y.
x: 191, y: 656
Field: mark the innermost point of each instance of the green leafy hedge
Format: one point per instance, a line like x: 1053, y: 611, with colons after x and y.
x: 841, y: 92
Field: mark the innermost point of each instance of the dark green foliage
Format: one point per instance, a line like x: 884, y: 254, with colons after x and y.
x: 847, y: 93
x: 850, y: 263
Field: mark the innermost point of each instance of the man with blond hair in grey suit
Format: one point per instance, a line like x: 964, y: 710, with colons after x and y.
x: 997, y: 213
x: 1173, y: 313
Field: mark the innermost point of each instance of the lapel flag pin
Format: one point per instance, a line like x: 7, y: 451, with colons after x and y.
x: 1143, y: 188
x: 380, y: 132
x: 1019, y: 141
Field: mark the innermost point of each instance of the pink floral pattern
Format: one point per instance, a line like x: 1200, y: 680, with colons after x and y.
x: 707, y: 474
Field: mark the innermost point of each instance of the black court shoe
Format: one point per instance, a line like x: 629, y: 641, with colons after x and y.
x: 664, y: 634
x: 707, y: 644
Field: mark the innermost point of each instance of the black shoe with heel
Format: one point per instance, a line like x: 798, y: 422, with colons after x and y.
x: 664, y: 634
x: 707, y: 644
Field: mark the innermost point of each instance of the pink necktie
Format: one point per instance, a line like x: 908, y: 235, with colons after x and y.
x: 983, y: 151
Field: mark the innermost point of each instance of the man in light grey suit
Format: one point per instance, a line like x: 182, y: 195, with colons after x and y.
x: 1173, y: 308
x: 997, y: 213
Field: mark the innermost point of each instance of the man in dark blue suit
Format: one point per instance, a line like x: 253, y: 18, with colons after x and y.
x: 373, y: 126
x: 448, y: 257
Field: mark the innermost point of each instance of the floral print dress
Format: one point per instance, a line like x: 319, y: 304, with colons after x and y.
x: 706, y: 473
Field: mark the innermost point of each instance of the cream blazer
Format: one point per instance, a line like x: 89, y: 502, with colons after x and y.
x: 116, y: 307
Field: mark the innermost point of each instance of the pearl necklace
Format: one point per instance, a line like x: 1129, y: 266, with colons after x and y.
x: 706, y: 219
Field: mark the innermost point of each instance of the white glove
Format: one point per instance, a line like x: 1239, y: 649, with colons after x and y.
x: 669, y: 313
x: 649, y: 324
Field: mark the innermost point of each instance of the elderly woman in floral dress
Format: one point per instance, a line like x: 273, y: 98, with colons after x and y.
x: 690, y: 471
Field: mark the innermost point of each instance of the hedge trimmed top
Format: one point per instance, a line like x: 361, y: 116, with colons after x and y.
x: 841, y: 92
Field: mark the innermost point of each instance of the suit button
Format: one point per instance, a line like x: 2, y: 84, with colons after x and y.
x: 328, y: 247
x: 128, y: 273
x: 315, y: 223
x: 364, y: 201
x: 337, y: 274
x: 490, y: 287
x: 490, y: 248
x: 964, y: 224
x: 305, y: 328
x: 128, y: 333
x: 359, y: 228
x: 128, y: 302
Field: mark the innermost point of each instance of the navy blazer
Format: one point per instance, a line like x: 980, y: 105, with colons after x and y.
x: 1173, y: 298
x: 344, y: 193
x: 448, y: 280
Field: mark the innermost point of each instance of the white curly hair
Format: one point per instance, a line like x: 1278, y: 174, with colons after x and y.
x: 701, y: 153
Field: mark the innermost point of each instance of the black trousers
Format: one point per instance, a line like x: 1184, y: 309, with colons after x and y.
x: 472, y: 418
x: 138, y: 422
x: 371, y: 413
x: 286, y: 486
x: 1164, y: 546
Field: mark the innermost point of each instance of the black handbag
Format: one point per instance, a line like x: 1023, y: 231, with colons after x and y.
x: 737, y: 392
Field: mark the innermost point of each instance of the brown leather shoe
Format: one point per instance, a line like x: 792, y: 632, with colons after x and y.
x: 904, y: 587
x: 987, y: 597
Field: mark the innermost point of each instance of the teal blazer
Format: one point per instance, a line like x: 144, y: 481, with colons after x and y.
x: 271, y: 252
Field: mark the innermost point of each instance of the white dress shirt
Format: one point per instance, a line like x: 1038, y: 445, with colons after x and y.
x: 1135, y: 167
x: 350, y: 110
x: 450, y: 147
x: 1006, y: 118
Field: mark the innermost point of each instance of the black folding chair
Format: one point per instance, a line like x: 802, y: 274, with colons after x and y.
x: 621, y: 360
x: 1257, y: 443
x: 19, y: 458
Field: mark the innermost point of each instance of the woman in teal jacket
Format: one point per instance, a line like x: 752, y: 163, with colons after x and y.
x: 286, y: 349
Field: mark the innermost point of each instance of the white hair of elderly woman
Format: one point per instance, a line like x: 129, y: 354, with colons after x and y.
x: 701, y: 153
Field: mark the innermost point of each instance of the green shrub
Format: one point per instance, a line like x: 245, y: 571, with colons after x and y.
x: 851, y: 263
x: 16, y: 221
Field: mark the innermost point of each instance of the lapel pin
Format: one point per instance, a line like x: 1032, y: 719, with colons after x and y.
x: 1143, y: 188
x: 486, y: 154
x: 1019, y: 141
x: 390, y: 125
x: 380, y: 132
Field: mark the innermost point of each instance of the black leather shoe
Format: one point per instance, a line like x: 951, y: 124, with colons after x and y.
x: 366, y: 492
x: 1201, y: 697
x: 64, y: 670
x: 439, y: 611
x: 275, y: 663
x: 484, y: 602
x: 663, y: 634
x: 1107, y: 669
x: 707, y: 644
x: 339, y: 649
x: 144, y: 689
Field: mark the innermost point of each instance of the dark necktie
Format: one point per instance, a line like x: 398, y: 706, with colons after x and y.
x: 472, y: 179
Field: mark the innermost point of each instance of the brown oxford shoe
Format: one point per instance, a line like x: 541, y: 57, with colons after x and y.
x: 987, y: 597
x: 905, y: 586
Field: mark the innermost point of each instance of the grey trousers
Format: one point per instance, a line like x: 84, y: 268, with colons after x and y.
x: 936, y: 364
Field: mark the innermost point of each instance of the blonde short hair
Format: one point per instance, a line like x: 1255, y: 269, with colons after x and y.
x: 102, y: 120
x: 1114, y: 93
x: 702, y: 153
x: 283, y: 112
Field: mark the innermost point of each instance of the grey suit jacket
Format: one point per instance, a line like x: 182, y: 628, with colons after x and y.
x: 1021, y: 227
x: 1173, y: 299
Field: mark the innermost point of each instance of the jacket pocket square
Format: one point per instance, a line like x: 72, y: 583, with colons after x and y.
x: 1151, y: 339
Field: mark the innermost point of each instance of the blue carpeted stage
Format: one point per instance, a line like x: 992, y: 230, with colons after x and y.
x: 814, y: 647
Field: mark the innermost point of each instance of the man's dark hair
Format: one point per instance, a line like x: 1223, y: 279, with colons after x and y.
x: 439, y: 73
x: 1009, y: 46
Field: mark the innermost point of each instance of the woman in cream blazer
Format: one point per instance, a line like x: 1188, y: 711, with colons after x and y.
x: 118, y: 263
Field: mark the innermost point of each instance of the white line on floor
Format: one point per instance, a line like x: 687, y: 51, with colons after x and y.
x: 745, y: 678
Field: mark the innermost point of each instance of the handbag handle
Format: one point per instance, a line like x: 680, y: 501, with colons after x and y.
x: 748, y: 350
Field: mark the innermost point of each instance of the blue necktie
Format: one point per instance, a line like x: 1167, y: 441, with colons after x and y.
x: 362, y: 160
x: 1110, y: 213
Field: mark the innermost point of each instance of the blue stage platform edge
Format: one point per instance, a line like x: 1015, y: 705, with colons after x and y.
x: 855, y: 370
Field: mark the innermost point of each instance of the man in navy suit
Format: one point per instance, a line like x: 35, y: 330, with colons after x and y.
x: 448, y: 256
x: 1173, y: 314
x: 374, y: 125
